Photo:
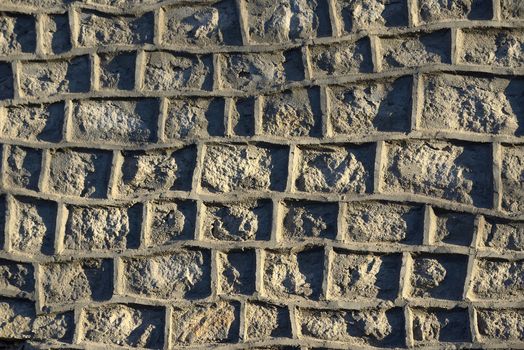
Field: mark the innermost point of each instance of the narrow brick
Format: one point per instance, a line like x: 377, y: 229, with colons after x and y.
x: 172, y: 221
x: 16, y: 279
x: 502, y: 234
x: 356, y: 15
x: 344, y: 58
x: 500, y: 325
x: 237, y: 272
x: 434, y: 325
x: 42, y: 122
x: 6, y: 81
x: 304, y: 220
x: 18, y: 34
x: 495, y: 279
x: 242, y: 117
x: 511, y: 173
x: 431, y: 11
x: 23, y: 167
x: 195, y: 117
x: 493, y: 47
x: 266, y: 321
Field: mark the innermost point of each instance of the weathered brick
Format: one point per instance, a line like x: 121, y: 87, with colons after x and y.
x: 137, y: 326
x: 76, y: 281
x: 117, y: 121
x: 244, y: 167
x: 91, y: 228
x: 440, y: 11
x: 358, y: 276
x: 202, y: 25
x: 178, y: 275
x: 205, y: 323
x: 120, y: 4
x: 33, y: 225
x: 478, y: 104
x: 512, y: 9
x: 172, y: 221
x: 371, y: 106
x: 440, y: 276
x: 177, y: 71
x: 3, y: 214
x: 501, y: 325
x: 238, y: 221
x: 153, y: 171
x: 237, y: 272
x: 498, y: 280
x: 371, y: 14
x: 431, y: 326
x: 266, y: 321
x: 492, y: 47
x: 16, y: 279
x: 242, y: 117
x: 6, y: 81
x: 117, y: 70
x: 288, y: 274
x: 292, y: 113
x: 303, y: 220
x: 343, y: 58
x: 23, y: 167
x: 502, y: 234
x: 98, y: 29
x: 453, y: 228
x: 18, y: 34
x: 414, y: 50
x: 56, y: 37
x: 79, y: 172
x: 452, y: 171
x: 335, y: 169
x: 194, y: 117
x: 254, y: 71
x: 512, y: 173
x: 41, y: 122
x: 48, y: 78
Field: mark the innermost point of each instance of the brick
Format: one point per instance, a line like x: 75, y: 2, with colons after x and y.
x: 496, y: 279
x: 242, y: 117
x: 283, y: 20
x: 237, y: 272
x: 49, y: 78
x: 178, y: 275
x: 440, y: 276
x: 3, y: 214
x: 99, y: 29
x: 453, y: 228
x: 116, y: 121
x: 16, y: 279
x: 371, y: 14
x: 78, y: 172
x: 153, y: 171
x: 292, y: 113
x: 244, y: 167
x: 194, y: 117
x: 492, y: 47
x: 371, y: 106
x: 341, y: 58
x: 56, y: 38
x: 117, y: 70
x: 501, y: 234
x: 479, y: 104
x: 361, y: 276
x: 431, y: 11
x: 37, y: 4
x: 172, y: 221
x: 202, y: 25
x: 266, y: 321
x: 262, y: 70
x: 6, y: 81
x: 91, y: 228
x: 138, y: 326
x: 500, y: 325
x: 335, y: 169
x: 18, y: 34
x: 431, y: 326
x: 451, y: 171
x: 23, y: 167
x: 42, y: 122
x: 512, y: 9
x: 413, y: 50
x: 33, y: 225
x: 289, y: 274
x: 304, y: 220
x: 511, y: 173
x: 76, y: 281
x: 168, y: 71
x: 237, y: 221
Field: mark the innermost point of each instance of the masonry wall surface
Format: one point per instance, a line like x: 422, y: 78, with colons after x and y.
x: 254, y: 174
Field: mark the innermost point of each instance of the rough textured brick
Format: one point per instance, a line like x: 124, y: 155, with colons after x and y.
x: 453, y: 228
x: 239, y: 167
x: 267, y: 321
x: 302, y: 220
x: 502, y: 234
x: 431, y: 326
x: 138, y: 326
x: 242, y: 117
x: 451, y: 171
x: 341, y: 58
x: 6, y: 81
x: 477, y: 104
x: 181, y: 274
x: 17, y: 33
x: 194, y: 118
x: 493, y: 47
x: 501, y: 325
x: 371, y: 14
x: 117, y: 70
x: 56, y: 36
x: 512, y: 9
x: 335, y: 169
x: 16, y: 279
x: 237, y: 271
x: 512, y: 172
x: 498, y: 280
x: 23, y: 167
x: 436, y: 11
x: 172, y: 221
x: 371, y: 106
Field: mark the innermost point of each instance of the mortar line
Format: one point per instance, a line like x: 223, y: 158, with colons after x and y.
x: 429, y: 225
x: 497, y: 155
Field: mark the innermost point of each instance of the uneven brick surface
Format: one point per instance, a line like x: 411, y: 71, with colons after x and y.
x: 257, y: 174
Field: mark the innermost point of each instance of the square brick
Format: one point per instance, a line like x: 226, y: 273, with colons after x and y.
x: 237, y: 272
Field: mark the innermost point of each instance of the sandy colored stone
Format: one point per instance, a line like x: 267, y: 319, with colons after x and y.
x: 17, y: 34
x: 498, y: 280
x: 172, y: 221
x: 16, y: 279
x: 436, y: 11
x: 502, y: 235
x: 23, y: 167
x: 432, y: 326
x: 304, y: 220
x: 341, y: 58
x: 371, y: 14
x: 56, y: 37
x: 493, y: 48
x: 117, y: 70
x: 266, y: 321
x: 453, y: 228
x: 237, y: 272
x: 33, y: 122
x: 194, y: 118
x: 501, y: 325
x: 512, y: 9
x: 511, y: 173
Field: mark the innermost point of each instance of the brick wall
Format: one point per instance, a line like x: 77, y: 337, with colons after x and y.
x: 306, y: 174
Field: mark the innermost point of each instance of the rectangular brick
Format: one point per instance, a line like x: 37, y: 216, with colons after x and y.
x: 305, y: 220
x: 22, y: 167
x: 242, y: 116
x: 479, y: 104
x: 167, y: 71
x: 451, y: 171
x: 512, y: 172
x: 343, y: 58
x: 117, y: 121
x: 117, y: 70
x: 92, y: 228
x: 98, y: 29
x: 172, y: 221
x: 236, y: 272
x: 49, y: 78
x: 6, y: 81
x: 16, y: 279
x: 194, y: 117
x: 244, y: 167
x: 412, y: 50
x: 335, y: 169
x: 368, y: 107
x: 434, y: 326
x: 501, y: 234
x: 56, y: 37
x: 500, y: 325
x: 493, y: 47
x: 213, y: 24
x: 79, y: 172
x: 178, y: 275
x: 453, y: 228
x: 140, y: 326
x: 511, y: 9
x: 33, y: 122
x: 431, y: 11
x: 497, y: 279
x: 18, y: 34
x: 356, y: 15
x: 266, y: 321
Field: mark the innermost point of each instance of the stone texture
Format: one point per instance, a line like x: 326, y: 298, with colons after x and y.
x: 498, y: 280
x: 18, y: 34
x: 16, y: 279
x: 237, y: 271
x: 6, y: 81
x: 308, y: 220
x: 493, y: 47
x: 500, y: 325
x: 56, y: 36
x: 23, y: 167
x: 371, y: 14
x: 342, y: 58
x: 433, y: 326
x: 172, y: 221
x: 502, y: 235
x: 453, y: 228
x: 512, y: 9
x: 436, y: 11
x: 512, y: 172
x: 267, y: 321
x: 117, y: 70
x: 194, y: 117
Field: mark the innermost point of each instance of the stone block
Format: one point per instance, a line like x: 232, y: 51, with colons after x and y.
x: 512, y: 172
x: 434, y: 326
x: 357, y: 15
x: 266, y: 321
x: 431, y: 11
x: 18, y: 34
x: 23, y: 166
x: 500, y: 325
x: 304, y: 220
x: 6, y: 81
x: 242, y: 117
x: 343, y: 58
x: 172, y: 221
x: 496, y: 279
x: 42, y: 122
x: 501, y: 234
x: 195, y: 117
x: 16, y: 279
x: 56, y: 36
x: 117, y: 70
x: 237, y: 272
x: 453, y: 228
